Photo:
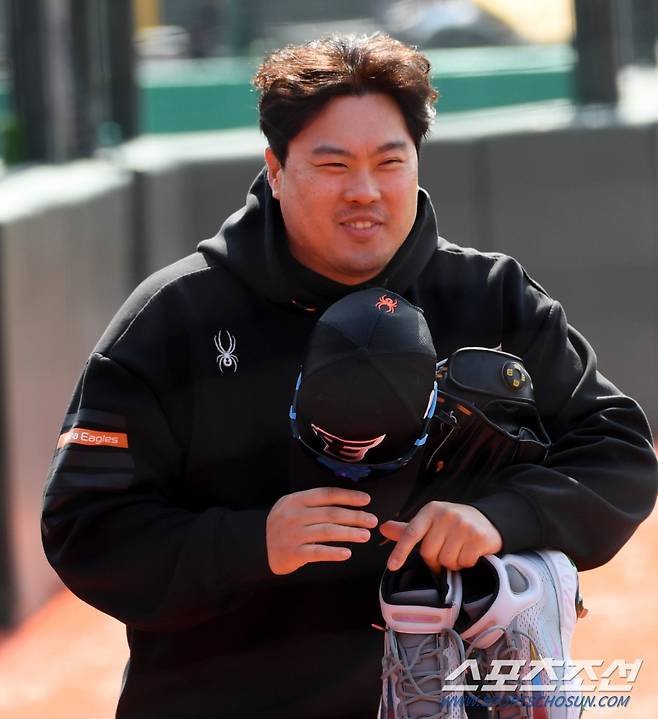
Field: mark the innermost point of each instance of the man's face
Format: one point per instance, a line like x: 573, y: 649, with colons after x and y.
x: 349, y: 187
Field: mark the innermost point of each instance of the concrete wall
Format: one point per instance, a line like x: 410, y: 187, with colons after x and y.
x: 64, y: 243
x: 578, y: 207
x: 576, y: 204
x: 185, y: 189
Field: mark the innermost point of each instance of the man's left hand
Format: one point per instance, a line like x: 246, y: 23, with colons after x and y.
x: 451, y: 535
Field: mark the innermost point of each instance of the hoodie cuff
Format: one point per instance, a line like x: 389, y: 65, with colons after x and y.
x: 242, y: 547
x: 514, y: 518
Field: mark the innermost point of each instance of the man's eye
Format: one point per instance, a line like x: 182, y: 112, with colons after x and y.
x: 333, y: 164
x: 392, y: 161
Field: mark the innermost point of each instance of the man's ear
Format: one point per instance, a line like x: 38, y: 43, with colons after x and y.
x: 273, y: 171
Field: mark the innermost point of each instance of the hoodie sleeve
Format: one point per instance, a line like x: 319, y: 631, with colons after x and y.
x: 111, y: 526
x: 600, y: 479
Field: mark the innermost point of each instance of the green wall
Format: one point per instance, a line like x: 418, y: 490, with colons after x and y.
x: 188, y: 95
x: 216, y: 94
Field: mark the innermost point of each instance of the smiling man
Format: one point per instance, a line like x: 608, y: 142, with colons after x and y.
x: 349, y: 188
x: 244, y: 598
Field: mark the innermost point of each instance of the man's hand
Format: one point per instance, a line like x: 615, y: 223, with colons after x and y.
x: 299, y: 523
x: 451, y: 535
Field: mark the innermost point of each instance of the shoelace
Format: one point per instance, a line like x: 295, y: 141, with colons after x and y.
x: 509, y: 646
x: 411, y: 680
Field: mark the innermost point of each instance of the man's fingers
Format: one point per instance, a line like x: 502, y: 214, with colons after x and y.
x: 448, y: 554
x: 450, y: 535
x: 467, y: 558
x: 333, y: 533
x: 321, y: 553
x: 338, y: 515
x: 330, y: 496
x: 412, y: 534
x: 300, y: 520
x: 392, y: 529
x: 432, y: 545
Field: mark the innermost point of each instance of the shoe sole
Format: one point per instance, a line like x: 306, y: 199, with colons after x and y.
x: 565, y: 579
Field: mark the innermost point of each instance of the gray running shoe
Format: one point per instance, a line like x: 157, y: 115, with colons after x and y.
x: 517, y: 610
x: 421, y: 647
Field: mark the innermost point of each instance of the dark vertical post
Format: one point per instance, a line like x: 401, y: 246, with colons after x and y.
x: 30, y: 131
x: 598, y: 54
x: 239, y: 31
x: 645, y: 31
x: 83, y: 64
x: 123, y: 90
x: 73, y: 77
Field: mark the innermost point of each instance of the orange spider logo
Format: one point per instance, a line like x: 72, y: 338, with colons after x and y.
x: 387, y: 303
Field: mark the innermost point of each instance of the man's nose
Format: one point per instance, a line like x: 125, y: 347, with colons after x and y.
x: 362, y: 187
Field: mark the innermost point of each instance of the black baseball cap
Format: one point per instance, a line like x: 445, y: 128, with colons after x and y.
x: 367, y: 383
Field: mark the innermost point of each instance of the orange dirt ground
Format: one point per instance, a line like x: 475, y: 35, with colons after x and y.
x: 66, y: 661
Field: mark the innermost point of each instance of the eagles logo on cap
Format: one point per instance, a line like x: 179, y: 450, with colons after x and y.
x: 346, y: 449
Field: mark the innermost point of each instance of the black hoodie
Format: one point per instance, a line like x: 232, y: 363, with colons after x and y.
x: 176, y: 445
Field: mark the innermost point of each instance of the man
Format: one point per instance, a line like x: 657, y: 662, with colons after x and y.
x: 168, y: 503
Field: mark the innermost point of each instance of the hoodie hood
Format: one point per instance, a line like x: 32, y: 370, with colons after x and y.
x: 252, y: 245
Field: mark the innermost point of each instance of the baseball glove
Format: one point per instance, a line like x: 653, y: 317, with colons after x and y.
x: 486, y: 419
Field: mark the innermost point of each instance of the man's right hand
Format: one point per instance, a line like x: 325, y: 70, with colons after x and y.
x: 299, y: 523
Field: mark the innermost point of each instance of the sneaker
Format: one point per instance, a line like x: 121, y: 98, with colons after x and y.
x: 421, y: 647
x: 522, y: 607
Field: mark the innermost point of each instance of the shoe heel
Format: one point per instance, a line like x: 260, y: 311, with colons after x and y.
x: 565, y: 577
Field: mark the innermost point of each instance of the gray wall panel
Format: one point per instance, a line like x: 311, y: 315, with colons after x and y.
x: 181, y: 204
x: 574, y: 197
x: 578, y: 209
x: 185, y: 188
x: 217, y: 189
x: 453, y: 175
x: 64, y: 274
x: 162, y: 226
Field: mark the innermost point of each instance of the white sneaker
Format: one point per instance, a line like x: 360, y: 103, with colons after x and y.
x: 522, y: 607
x: 421, y: 647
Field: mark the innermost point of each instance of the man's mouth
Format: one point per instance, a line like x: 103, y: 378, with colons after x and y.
x: 361, y: 225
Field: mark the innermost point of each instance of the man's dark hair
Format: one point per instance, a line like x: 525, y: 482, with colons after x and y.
x: 297, y: 81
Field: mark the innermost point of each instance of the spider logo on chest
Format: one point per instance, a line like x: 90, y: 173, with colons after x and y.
x: 226, y: 359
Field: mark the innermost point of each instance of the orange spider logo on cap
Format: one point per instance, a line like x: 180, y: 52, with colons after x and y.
x: 387, y: 303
